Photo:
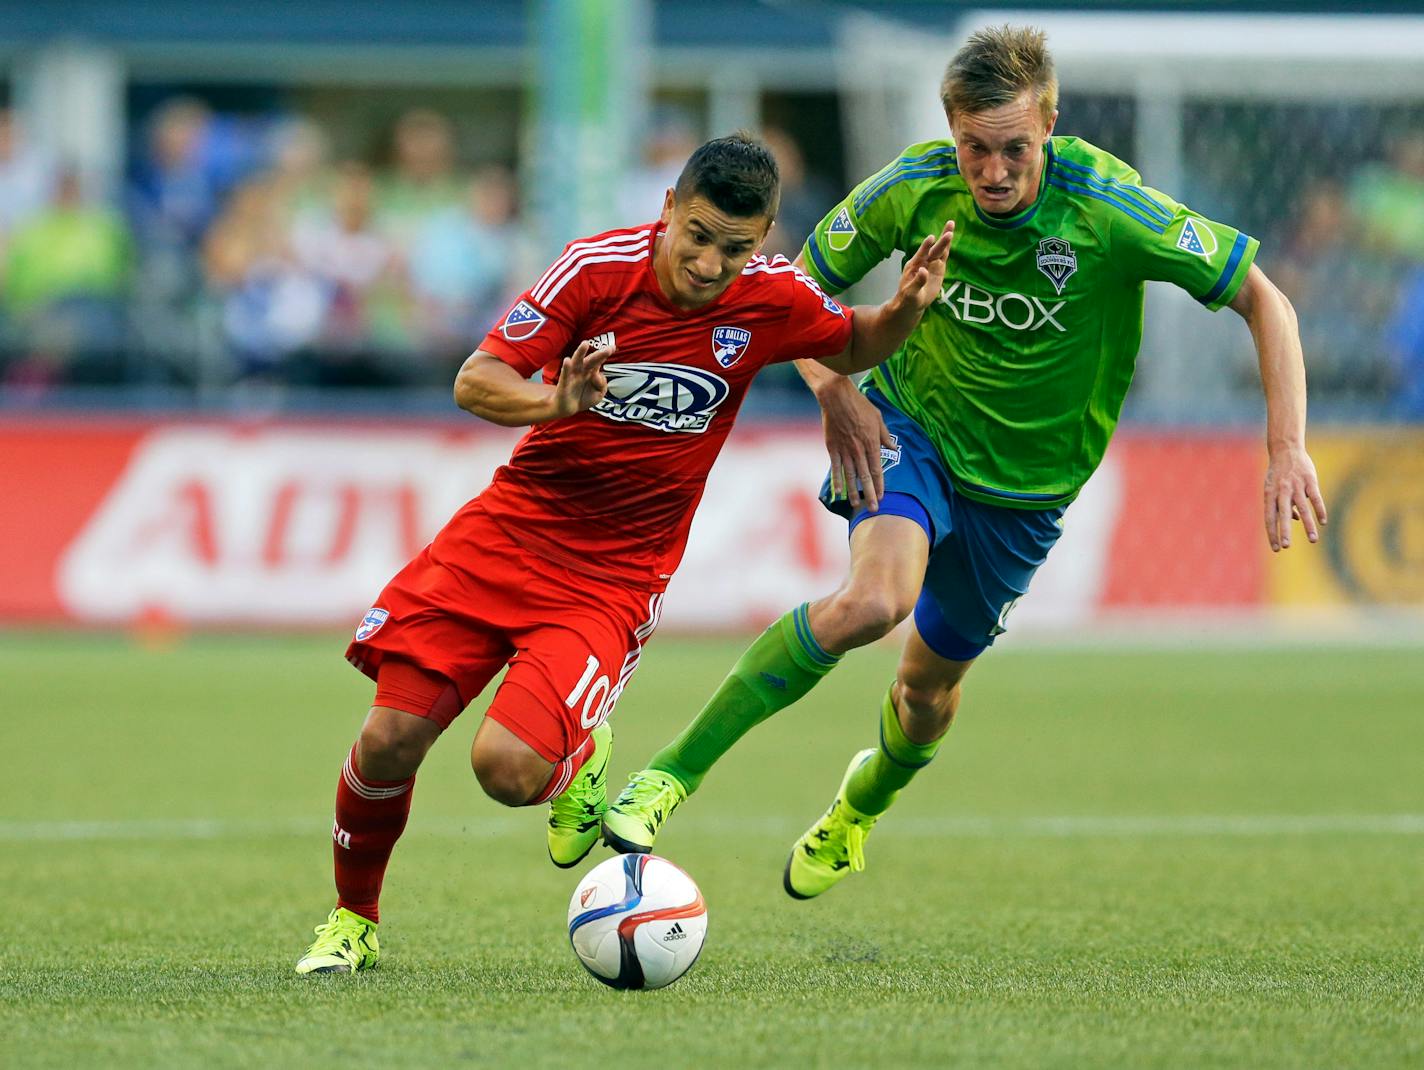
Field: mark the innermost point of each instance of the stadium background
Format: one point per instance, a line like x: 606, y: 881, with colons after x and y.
x: 242, y: 251
x: 1179, y: 817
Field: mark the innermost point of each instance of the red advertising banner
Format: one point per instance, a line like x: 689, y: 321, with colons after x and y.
x: 299, y: 524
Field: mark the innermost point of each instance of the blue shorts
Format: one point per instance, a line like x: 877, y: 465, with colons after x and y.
x: 981, y: 556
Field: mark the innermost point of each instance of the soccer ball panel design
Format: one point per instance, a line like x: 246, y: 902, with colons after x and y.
x: 637, y: 921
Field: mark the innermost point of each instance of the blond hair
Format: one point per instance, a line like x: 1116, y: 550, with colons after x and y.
x: 995, y: 66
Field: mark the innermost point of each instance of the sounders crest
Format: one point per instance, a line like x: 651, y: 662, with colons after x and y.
x: 1057, y: 260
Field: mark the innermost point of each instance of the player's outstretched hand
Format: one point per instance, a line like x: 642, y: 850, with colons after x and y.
x: 582, y: 383
x: 1292, y: 493
x: 923, y: 277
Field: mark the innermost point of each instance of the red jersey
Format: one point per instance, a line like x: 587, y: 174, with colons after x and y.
x: 611, y: 491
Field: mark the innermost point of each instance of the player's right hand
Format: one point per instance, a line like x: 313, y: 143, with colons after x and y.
x: 581, y: 384
x: 855, y: 431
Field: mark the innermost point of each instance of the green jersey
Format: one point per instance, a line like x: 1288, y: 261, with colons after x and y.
x: 1018, y: 372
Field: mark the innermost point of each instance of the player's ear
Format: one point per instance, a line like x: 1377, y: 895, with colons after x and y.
x: 1052, y: 119
x: 669, y: 202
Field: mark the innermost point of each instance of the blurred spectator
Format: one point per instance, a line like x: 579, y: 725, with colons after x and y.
x: 270, y: 307
x: 176, y: 195
x: 1406, y: 336
x: 423, y: 181
x: 299, y: 151
x: 805, y: 199
x: 190, y: 160
x: 461, y: 263
x: 1342, y: 296
x: 665, y: 151
x: 1388, y: 198
x: 366, y: 324
x: 27, y: 175
x: 66, y: 273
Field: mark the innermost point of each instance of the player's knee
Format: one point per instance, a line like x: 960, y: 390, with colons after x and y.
x: 872, y: 612
x: 390, y: 749
x: 502, y: 775
x: 500, y: 780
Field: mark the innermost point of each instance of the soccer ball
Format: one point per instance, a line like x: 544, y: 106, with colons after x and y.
x: 637, y: 921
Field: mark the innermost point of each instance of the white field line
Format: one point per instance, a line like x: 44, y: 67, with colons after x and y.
x: 1053, y: 827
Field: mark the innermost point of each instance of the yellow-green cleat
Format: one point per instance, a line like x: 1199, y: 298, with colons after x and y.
x: 636, y: 816
x: 576, y: 813
x: 831, y: 849
x: 345, y: 944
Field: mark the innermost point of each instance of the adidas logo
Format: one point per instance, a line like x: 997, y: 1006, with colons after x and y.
x: 675, y: 933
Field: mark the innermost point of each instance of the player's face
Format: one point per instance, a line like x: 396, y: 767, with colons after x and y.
x: 1001, y: 153
x: 704, y: 249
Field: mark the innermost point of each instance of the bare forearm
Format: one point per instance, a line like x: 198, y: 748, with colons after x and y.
x: 1276, y: 334
x: 1283, y: 379
x: 876, y: 332
x: 493, y: 391
x: 818, y: 377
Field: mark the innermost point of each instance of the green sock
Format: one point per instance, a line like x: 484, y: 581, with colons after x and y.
x: 873, y: 787
x: 782, y: 665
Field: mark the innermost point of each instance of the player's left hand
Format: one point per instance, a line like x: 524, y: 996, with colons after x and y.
x: 581, y: 384
x: 1292, y: 493
x: 923, y: 277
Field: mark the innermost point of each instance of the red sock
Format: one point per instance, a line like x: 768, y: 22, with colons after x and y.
x: 370, y: 816
x: 564, y: 771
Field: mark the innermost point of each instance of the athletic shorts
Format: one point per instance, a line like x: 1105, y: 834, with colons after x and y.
x: 981, y: 556
x: 474, y: 601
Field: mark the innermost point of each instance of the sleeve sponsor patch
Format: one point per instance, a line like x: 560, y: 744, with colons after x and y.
x: 815, y: 287
x: 1197, y: 237
x: 841, y: 232
x: 523, y: 321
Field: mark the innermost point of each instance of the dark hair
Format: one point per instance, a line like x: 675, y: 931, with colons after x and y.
x: 995, y: 66
x: 737, y: 174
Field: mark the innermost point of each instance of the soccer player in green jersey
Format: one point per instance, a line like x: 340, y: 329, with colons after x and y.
x: 956, y: 462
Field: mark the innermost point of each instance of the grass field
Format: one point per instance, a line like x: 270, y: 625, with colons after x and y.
x: 1120, y: 859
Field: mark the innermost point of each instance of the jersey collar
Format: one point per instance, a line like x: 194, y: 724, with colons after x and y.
x: 1018, y: 219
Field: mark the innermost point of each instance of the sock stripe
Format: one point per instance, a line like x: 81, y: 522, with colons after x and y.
x: 801, y: 621
x: 369, y: 791
x: 892, y: 757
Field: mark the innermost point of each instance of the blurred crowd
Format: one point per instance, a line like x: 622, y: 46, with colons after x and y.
x: 241, y: 252
x: 1353, y: 264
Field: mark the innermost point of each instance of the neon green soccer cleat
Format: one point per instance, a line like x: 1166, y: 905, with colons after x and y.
x: 345, y: 944
x: 632, y: 822
x: 831, y: 849
x: 576, y: 812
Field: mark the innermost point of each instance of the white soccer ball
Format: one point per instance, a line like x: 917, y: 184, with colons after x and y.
x: 637, y: 921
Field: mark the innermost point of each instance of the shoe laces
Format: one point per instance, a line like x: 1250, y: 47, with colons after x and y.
x: 855, y: 847
x: 582, y: 803
x: 649, y: 790
x: 331, y: 933
x: 841, y: 827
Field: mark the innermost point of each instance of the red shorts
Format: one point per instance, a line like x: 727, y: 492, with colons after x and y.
x: 474, y: 601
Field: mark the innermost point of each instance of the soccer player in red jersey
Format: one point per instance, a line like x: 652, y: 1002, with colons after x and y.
x: 647, y: 339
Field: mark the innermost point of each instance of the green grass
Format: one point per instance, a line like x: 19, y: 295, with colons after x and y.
x: 1098, y: 871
